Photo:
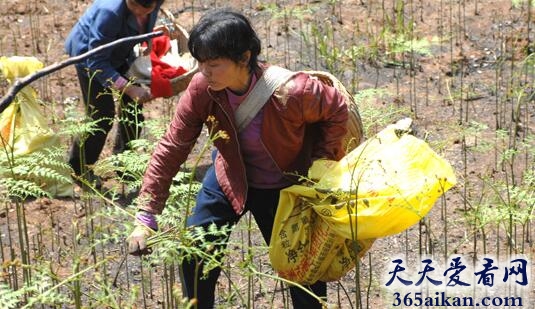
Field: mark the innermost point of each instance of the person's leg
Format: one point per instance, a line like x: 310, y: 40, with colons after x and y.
x: 301, y: 299
x: 100, y: 106
x: 263, y: 205
x: 130, y: 124
x: 212, y: 206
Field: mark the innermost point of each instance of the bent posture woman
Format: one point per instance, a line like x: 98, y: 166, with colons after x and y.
x: 303, y: 121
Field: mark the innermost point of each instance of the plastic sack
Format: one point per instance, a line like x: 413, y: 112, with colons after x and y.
x: 23, y: 127
x: 304, y: 248
x: 381, y: 188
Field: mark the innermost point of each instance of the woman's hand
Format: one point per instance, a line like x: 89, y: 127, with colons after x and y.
x: 137, y: 241
x: 145, y: 225
x: 165, y: 30
x: 138, y: 93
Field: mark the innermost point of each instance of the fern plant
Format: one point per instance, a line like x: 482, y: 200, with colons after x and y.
x: 10, y: 298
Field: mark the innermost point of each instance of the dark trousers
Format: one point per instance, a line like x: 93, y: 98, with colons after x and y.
x: 213, y: 207
x: 100, y: 106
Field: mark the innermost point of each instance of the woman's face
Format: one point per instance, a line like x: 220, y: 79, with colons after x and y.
x: 224, y: 73
x: 138, y: 10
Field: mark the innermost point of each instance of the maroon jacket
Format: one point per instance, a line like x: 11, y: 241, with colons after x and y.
x: 304, y: 120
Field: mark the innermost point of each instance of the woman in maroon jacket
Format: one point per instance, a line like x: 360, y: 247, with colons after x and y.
x: 302, y: 121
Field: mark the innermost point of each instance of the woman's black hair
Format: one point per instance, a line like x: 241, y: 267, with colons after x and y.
x: 147, y: 3
x: 223, y: 33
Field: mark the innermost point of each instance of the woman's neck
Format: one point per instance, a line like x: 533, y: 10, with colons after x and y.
x: 242, y: 84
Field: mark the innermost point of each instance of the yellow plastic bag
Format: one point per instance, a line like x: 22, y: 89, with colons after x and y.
x: 381, y: 188
x: 303, y: 247
x: 18, y: 66
x: 23, y: 127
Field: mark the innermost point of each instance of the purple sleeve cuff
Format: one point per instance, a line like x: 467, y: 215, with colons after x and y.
x: 120, y: 83
x: 147, y: 219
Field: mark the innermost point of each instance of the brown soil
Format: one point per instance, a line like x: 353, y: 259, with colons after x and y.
x: 478, y: 36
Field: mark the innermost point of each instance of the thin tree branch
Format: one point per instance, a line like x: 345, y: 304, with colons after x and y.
x: 23, y: 82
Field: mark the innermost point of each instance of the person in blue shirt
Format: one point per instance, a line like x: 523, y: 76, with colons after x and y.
x: 103, y: 22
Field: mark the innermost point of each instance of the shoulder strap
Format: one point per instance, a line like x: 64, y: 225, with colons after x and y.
x: 266, y: 85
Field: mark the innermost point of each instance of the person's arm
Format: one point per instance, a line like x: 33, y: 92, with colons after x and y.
x: 170, y: 153
x: 326, y: 107
x: 104, y: 30
x: 137, y: 93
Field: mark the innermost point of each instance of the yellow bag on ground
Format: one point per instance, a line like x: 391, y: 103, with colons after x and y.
x: 23, y: 127
x: 381, y: 188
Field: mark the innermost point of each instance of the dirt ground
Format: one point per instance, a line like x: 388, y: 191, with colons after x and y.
x: 476, y: 36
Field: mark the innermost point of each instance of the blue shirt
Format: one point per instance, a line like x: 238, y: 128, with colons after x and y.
x: 103, y: 22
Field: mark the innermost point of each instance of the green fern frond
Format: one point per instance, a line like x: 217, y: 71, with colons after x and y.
x: 42, y: 168
x: 40, y: 174
x: 9, y: 298
x: 128, y: 165
x: 81, y: 127
x: 23, y: 188
x: 42, y: 291
x: 53, y: 157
